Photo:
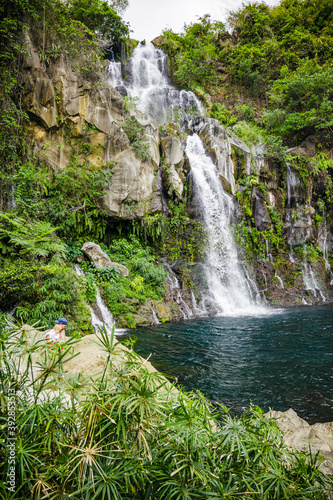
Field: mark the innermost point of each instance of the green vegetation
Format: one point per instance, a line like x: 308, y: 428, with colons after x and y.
x: 195, y: 52
x: 34, y: 280
x: 134, y: 130
x: 282, y: 54
x: 124, y: 295
x: 264, y: 39
x: 100, y: 18
x: 301, y: 102
x: 133, y: 435
x: 69, y: 198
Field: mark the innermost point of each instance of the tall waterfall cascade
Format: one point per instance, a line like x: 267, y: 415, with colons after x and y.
x: 229, y: 290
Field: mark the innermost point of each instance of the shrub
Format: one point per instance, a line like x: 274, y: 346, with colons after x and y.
x: 304, y: 98
x: 222, y: 114
x: 130, y: 434
x: 153, y: 274
x: 135, y: 133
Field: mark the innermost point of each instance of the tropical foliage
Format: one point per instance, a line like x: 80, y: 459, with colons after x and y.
x: 282, y: 54
x: 35, y: 283
x: 301, y: 102
x: 20, y: 237
x: 129, y: 433
x: 123, y: 295
x: 100, y: 18
x: 195, y: 52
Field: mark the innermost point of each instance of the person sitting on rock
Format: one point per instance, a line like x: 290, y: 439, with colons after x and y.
x: 57, y: 334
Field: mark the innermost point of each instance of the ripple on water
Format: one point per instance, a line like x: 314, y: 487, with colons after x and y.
x: 279, y: 360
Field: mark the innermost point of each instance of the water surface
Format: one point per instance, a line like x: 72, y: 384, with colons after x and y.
x: 280, y: 361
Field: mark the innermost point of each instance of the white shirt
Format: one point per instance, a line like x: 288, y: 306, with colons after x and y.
x: 52, y: 336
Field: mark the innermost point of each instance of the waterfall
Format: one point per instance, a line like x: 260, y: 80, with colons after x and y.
x: 100, y: 314
x: 268, y: 251
x: 292, y: 182
x: 114, y: 74
x: 148, y: 80
x: 229, y: 288
x: 322, y: 243
x: 310, y: 282
x: 279, y: 279
x: 155, y: 318
x: 229, y: 292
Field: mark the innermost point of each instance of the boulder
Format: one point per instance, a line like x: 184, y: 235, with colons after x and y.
x: 307, y: 148
x: 175, y: 166
x: 100, y: 258
x: 299, y: 434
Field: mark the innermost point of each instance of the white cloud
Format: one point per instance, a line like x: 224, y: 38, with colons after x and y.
x: 148, y: 18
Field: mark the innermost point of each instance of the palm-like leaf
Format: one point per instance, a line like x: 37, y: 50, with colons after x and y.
x: 32, y: 238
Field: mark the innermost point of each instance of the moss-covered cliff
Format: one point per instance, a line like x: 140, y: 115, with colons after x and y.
x: 80, y: 163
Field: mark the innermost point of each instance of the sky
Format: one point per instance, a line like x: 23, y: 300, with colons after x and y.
x: 148, y: 18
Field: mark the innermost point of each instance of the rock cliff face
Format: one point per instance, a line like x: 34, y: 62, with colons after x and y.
x: 70, y: 115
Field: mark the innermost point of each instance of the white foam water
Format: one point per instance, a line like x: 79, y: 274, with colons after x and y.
x: 148, y: 80
x: 101, y: 316
x: 153, y: 312
x: 311, y: 283
x: 229, y: 291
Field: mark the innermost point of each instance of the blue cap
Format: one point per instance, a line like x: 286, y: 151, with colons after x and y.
x: 62, y: 321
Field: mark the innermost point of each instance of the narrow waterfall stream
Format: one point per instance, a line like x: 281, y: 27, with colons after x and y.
x: 228, y: 288
x: 310, y: 282
x: 100, y: 314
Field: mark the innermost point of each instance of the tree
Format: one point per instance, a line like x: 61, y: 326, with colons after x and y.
x: 99, y: 17
x: 302, y: 101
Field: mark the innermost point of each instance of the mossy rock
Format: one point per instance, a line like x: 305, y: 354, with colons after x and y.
x: 163, y: 310
x: 173, y: 130
x: 289, y: 272
x: 238, y: 157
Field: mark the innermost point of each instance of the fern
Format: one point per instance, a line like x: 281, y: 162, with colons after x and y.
x: 19, y: 236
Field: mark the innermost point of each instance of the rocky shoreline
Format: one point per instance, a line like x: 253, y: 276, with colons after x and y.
x: 302, y: 436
